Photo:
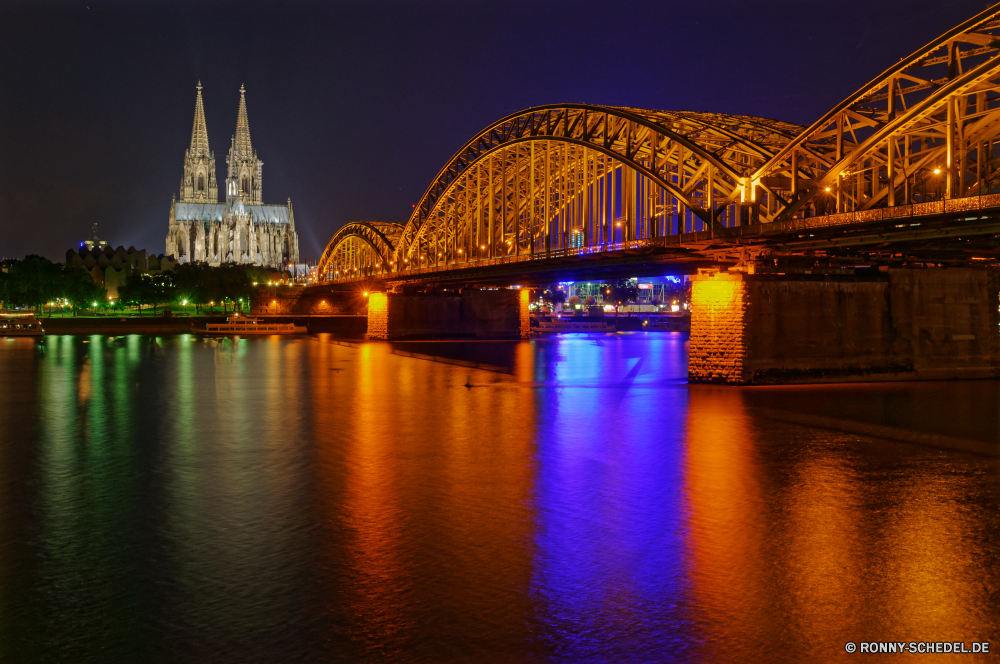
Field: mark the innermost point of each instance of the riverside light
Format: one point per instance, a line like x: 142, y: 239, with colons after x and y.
x: 937, y: 171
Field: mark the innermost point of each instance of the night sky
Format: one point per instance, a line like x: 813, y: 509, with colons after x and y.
x: 355, y: 106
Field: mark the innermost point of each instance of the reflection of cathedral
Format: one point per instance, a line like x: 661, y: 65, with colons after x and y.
x: 241, y: 230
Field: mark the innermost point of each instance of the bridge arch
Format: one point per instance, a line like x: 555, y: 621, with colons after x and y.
x: 359, y: 248
x: 568, y: 175
x: 923, y: 130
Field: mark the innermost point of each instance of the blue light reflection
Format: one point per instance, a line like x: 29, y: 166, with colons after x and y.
x: 610, y: 542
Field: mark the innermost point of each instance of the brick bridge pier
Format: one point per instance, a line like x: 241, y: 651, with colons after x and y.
x: 876, y: 324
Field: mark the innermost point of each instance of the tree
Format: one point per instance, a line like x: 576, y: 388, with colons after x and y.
x: 190, y: 279
x: 33, y: 282
x: 235, y: 283
x: 148, y: 289
x: 555, y: 296
x: 619, y: 292
x: 206, y: 284
x: 80, y: 288
x: 4, y: 284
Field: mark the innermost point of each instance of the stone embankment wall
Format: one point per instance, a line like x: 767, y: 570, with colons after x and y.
x: 903, y: 324
x: 318, y: 300
x: 471, y: 314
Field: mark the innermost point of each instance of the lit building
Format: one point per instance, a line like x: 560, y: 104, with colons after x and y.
x: 241, y: 230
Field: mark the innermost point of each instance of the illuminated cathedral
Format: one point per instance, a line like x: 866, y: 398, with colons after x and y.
x: 241, y: 230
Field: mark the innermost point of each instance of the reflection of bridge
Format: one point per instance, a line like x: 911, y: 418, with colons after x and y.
x: 901, y: 169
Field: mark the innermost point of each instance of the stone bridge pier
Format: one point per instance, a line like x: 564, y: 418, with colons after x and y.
x: 885, y: 324
x: 470, y: 314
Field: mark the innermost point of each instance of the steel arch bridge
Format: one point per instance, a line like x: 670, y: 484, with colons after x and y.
x: 360, y: 248
x: 920, y: 138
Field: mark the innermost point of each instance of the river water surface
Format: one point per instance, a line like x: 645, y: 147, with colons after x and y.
x: 181, y: 499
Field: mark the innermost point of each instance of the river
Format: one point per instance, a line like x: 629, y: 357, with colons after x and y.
x: 182, y: 499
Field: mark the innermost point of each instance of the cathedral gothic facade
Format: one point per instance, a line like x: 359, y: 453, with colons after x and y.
x: 241, y: 230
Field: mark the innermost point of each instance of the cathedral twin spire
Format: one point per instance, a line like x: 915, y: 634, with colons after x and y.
x: 199, y: 133
x: 245, y: 169
x: 244, y: 148
x: 245, y: 172
x: 198, y: 183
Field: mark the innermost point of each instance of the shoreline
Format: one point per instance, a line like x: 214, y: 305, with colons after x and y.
x: 351, y: 325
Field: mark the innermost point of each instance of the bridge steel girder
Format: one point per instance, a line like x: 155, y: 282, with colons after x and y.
x: 925, y: 129
x: 548, y: 171
x: 360, y: 247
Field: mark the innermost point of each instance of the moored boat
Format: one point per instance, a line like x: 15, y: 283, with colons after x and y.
x: 558, y: 325
x: 20, y: 325
x: 247, y: 325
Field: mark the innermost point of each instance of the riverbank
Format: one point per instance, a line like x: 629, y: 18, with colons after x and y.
x: 350, y: 326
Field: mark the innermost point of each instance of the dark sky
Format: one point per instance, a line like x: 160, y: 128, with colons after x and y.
x: 355, y: 106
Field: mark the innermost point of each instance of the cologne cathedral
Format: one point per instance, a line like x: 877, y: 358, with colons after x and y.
x: 241, y: 230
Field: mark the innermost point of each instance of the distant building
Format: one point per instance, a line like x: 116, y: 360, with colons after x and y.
x: 241, y: 230
x: 94, y: 241
x: 111, y: 267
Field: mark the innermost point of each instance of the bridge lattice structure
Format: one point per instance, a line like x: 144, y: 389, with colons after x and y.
x: 563, y: 179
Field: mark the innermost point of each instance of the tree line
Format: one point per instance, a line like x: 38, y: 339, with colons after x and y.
x: 35, y: 281
x: 195, y: 283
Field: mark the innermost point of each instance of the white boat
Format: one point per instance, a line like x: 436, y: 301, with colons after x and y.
x: 20, y: 325
x: 557, y: 325
x: 246, y: 325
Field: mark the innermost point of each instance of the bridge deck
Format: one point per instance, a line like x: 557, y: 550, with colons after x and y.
x: 954, y: 232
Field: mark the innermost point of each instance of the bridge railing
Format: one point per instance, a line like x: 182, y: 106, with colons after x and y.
x: 953, y: 205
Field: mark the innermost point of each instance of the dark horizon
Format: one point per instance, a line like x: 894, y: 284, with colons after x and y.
x: 354, y: 108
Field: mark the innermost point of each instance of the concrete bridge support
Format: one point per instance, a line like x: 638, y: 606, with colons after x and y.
x: 897, y: 324
x: 471, y: 314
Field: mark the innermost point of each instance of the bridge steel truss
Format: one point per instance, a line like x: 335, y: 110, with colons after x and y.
x: 572, y: 178
x: 360, y: 248
x: 924, y: 130
x: 576, y: 176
